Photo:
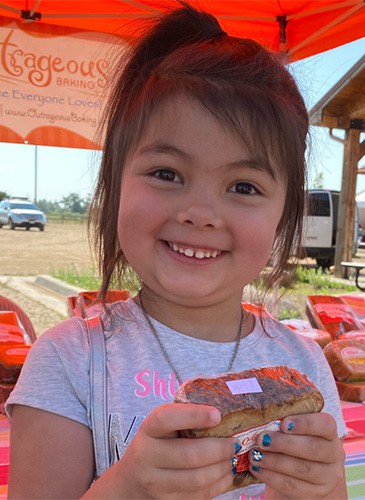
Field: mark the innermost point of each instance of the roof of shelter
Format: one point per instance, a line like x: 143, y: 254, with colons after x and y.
x: 343, y: 106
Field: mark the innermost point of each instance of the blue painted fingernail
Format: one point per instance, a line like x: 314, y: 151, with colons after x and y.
x: 266, y: 440
x: 257, y: 455
x: 237, y: 447
x: 255, y: 468
x: 234, y: 461
x: 290, y: 426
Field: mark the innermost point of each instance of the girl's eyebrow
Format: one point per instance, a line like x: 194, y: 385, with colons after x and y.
x: 164, y: 148
x: 247, y: 163
x: 255, y: 165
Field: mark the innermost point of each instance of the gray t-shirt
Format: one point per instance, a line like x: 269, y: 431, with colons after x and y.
x: 55, y: 376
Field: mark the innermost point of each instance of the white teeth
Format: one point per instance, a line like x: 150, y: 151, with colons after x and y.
x: 189, y: 252
x: 198, y: 254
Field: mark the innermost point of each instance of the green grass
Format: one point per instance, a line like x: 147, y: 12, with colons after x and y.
x: 89, y: 279
x: 319, y: 279
x: 304, y: 282
x: 66, y: 217
x: 86, y: 281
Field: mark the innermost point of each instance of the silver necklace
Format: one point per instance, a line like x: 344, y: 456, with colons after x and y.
x: 166, y: 355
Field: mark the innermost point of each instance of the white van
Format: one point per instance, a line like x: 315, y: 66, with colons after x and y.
x: 320, y: 226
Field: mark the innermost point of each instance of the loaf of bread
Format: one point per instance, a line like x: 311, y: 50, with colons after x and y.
x: 357, y: 302
x: 250, y: 402
x: 11, y: 362
x: 351, y: 391
x: 330, y: 313
x: 353, y: 334
x: 346, y: 358
x: 304, y: 328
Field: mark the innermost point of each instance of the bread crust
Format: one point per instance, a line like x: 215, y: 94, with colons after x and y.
x: 285, y: 391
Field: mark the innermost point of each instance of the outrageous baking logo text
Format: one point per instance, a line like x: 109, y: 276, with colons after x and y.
x: 41, y: 70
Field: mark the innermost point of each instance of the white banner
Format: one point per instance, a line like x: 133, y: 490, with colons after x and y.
x: 52, y: 83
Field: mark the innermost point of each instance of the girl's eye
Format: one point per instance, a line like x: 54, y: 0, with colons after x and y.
x: 244, y: 188
x: 166, y: 175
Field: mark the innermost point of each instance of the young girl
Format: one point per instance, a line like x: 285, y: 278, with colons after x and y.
x: 201, y: 183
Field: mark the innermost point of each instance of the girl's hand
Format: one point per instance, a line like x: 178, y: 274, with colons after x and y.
x: 159, y: 464
x: 305, y: 460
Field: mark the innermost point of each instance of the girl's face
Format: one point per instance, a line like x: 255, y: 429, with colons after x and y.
x: 197, y: 217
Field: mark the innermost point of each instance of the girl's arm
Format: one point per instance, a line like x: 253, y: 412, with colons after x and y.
x: 50, y: 456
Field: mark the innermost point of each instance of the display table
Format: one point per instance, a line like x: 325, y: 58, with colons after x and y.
x: 4, y: 455
x: 354, y: 414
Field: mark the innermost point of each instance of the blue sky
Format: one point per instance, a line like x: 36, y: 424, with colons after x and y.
x: 61, y: 171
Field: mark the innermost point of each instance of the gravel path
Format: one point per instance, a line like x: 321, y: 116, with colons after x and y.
x: 41, y: 316
x: 31, y: 253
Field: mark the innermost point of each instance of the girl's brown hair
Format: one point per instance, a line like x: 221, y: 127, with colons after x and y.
x: 245, y: 86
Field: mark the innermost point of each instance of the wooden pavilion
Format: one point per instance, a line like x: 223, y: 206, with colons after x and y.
x: 343, y: 107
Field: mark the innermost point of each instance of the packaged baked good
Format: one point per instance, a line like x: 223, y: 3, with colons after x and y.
x: 304, y: 328
x: 250, y: 402
x: 11, y: 362
x: 86, y: 303
x: 351, y: 391
x: 14, y: 348
x: 357, y: 302
x: 353, y: 334
x: 346, y: 358
x: 330, y: 313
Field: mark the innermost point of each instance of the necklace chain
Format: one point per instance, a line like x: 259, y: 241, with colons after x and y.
x: 166, y: 355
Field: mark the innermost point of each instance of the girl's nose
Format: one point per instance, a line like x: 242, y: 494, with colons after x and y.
x: 200, y: 215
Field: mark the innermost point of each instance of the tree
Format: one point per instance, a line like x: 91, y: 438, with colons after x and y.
x: 75, y: 204
x: 3, y: 195
x: 318, y: 181
x: 48, y: 206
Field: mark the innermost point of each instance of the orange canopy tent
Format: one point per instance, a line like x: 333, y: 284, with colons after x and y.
x: 52, y: 72
x: 300, y: 28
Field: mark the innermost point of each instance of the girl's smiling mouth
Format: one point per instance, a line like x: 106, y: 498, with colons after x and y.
x: 198, y: 253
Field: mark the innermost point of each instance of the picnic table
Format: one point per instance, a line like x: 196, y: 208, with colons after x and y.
x: 358, y: 267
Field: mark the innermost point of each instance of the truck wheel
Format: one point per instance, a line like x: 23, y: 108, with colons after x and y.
x: 325, y: 263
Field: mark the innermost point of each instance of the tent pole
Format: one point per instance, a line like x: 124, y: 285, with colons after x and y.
x: 35, y: 172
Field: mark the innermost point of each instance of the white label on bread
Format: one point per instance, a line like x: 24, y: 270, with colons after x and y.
x: 244, y: 386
